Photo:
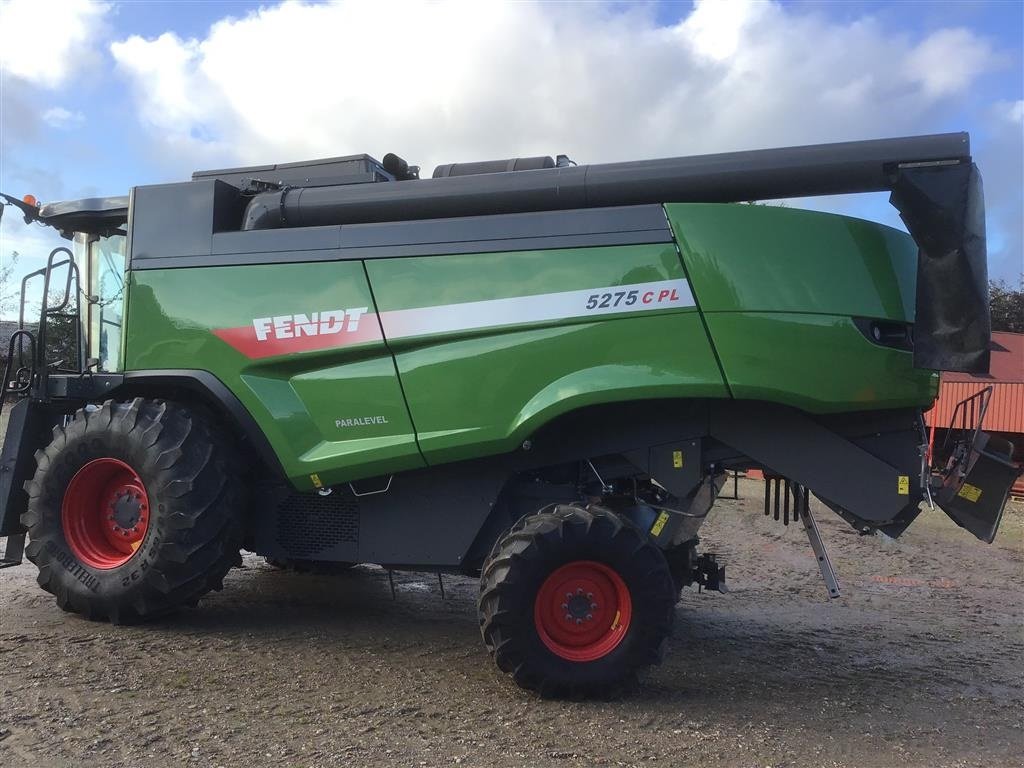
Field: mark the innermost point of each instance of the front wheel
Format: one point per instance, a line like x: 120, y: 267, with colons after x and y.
x: 575, y: 602
x: 134, y: 510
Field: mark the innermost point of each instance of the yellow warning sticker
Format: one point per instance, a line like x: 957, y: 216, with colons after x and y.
x: 970, y: 492
x: 659, y: 524
x: 316, y: 480
x: 677, y: 459
x: 903, y: 485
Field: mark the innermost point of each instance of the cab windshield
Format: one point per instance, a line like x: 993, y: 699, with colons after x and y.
x: 103, y: 260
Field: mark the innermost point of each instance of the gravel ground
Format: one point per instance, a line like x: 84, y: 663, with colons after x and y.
x: 918, y: 664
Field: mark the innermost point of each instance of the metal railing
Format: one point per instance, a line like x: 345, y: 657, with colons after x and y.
x: 970, y: 413
x: 28, y: 375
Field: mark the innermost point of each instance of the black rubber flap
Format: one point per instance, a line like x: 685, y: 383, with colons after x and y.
x: 943, y: 207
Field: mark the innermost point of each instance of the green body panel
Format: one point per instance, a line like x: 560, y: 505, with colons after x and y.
x: 295, y: 398
x: 486, y: 394
x: 484, y: 391
x: 774, y: 290
x: 427, y: 281
x: 759, y: 258
x: 778, y: 286
x: 779, y: 357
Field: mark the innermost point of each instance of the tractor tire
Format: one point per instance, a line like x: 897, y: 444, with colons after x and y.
x: 574, y: 602
x: 134, y: 510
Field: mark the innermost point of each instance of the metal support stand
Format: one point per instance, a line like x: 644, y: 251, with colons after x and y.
x: 13, y: 551
x: 440, y: 583
x: 735, y: 486
x: 391, y: 581
x: 824, y: 564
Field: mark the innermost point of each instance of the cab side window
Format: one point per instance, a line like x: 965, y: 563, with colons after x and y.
x: 106, y: 278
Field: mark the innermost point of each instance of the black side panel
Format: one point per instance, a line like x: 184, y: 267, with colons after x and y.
x: 175, y: 220
x: 308, y: 526
x: 351, y: 169
x: 632, y: 218
x: 28, y: 430
x: 792, y: 444
x: 543, y: 230
x: 943, y: 208
x: 426, y: 518
x: 275, y: 241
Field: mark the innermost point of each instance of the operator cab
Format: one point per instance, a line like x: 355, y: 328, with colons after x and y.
x: 98, y: 227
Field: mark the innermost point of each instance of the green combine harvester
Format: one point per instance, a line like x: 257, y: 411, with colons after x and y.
x: 527, y: 370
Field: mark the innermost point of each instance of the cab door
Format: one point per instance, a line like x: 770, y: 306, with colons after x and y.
x: 104, y: 273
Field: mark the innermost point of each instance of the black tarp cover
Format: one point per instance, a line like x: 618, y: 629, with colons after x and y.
x: 943, y: 209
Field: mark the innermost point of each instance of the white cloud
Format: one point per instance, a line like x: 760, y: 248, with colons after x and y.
x: 61, y: 118
x: 1013, y: 111
x: 1000, y: 155
x: 454, y: 81
x: 716, y: 29
x: 44, y: 41
x: 949, y: 60
x: 457, y: 81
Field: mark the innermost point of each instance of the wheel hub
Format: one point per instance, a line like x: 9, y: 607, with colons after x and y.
x: 579, y: 607
x: 105, y: 513
x: 126, y: 510
x: 582, y: 611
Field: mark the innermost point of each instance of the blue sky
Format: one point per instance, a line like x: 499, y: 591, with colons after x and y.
x: 98, y: 97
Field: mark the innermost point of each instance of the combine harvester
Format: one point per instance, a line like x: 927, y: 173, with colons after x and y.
x: 524, y: 369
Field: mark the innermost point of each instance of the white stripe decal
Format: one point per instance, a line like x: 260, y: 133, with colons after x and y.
x: 618, y: 299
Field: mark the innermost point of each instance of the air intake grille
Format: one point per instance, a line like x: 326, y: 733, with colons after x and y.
x: 308, y: 524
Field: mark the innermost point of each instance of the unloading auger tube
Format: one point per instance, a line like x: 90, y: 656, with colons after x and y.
x: 933, y: 183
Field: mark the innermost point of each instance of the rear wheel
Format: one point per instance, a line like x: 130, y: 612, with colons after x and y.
x: 134, y: 510
x: 575, y: 602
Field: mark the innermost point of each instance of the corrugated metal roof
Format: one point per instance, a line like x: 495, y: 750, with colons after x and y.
x: 1007, y: 360
x: 1006, y: 377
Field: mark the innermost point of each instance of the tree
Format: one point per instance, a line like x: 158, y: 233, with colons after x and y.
x: 8, y: 289
x: 1007, y: 305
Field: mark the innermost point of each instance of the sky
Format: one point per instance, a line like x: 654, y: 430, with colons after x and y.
x: 97, y: 97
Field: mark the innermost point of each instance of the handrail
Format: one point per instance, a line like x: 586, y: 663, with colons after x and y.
x: 57, y: 310
x: 971, y: 413
x: 38, y: 367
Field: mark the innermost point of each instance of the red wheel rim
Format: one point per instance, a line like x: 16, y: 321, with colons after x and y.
x: 582, y: 611
x: 105, y: 513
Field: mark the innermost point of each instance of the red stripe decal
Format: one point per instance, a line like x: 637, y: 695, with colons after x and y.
x: 244, y: 339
